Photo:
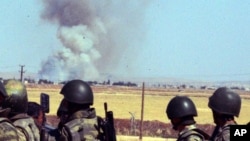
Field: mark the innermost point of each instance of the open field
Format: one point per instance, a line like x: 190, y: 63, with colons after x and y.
x: 122, y: 100
x: 125, y: 100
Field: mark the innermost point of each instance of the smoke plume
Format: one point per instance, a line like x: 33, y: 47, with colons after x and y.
x: 94, y: 35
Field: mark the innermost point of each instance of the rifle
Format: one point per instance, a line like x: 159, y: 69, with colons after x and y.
x: 109, y: 129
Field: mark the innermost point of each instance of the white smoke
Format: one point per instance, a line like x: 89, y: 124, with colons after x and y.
x: 94, y: 35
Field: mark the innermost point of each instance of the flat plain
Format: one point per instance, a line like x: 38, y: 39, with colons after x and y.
x: 126, y: 103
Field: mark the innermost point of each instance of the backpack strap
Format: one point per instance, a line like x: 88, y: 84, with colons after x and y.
x: 23, y: 130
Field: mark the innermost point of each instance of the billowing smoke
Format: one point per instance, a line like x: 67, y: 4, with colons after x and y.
x: 94, y: 35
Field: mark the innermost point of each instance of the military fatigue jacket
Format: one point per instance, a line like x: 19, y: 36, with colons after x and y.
x: 81, y: 126
x: 192, y: 133
x: 27, y: 126
x: 8, y: 132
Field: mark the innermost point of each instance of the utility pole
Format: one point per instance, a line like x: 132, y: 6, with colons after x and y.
x: 142, y: 112
x: 21, y: 73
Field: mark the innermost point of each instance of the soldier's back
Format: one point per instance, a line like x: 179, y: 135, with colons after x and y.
x: 27, y: 125
x: 8, y: 131
x: 81, y: 128
x: 224, y: 134
x: 193, y: 135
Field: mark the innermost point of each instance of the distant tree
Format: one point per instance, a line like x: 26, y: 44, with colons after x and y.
x: 45, y: 81
x: 121, y: 83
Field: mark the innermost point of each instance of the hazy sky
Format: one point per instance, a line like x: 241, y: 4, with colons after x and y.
x: 66, y: 39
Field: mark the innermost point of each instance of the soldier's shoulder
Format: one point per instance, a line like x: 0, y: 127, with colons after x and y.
x: 8, y: 131
x: 194, y: 137
x: 225, y: 133
x: 191, y: 135
x: 6, y: 124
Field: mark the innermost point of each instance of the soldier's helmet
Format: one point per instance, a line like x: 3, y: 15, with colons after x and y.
x: 180, y: 106
x: 78, y: 91
x: 17, y: 98
x: 225, y: 101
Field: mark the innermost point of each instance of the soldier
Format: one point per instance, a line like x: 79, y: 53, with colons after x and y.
x: 181, y: 111
x: 8, y: 131
x: 225, y: 104
x: 62, y: 113
x: 80, y: 122
x: 17, y: 101
x: 36, y: 111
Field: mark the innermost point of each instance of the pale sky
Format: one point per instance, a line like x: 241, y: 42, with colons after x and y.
x: 185, y: 39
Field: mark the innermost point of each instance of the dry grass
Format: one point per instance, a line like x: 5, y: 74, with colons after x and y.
x: 122, y: 100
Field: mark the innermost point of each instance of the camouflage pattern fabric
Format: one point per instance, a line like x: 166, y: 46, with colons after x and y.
x: 81, y: 127
x: 8, y: 132
x: 27, y: 125
x: 21, y: 135
x: 191, y: 133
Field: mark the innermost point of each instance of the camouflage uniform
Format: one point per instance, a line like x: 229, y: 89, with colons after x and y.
x: 8, y: 132
x: 191, y: 133
x: 27, y: 126
x: 78, y: 121
x: 17, y: 101
x: 82, y: 125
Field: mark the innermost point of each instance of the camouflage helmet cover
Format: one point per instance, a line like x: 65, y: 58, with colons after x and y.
x: 17, y: 98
